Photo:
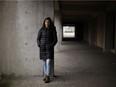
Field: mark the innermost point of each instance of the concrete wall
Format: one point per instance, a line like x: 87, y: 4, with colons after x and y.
x: 100, y: 31
x: 20, y: 22
x: 94, y: 31
x: 8, y: 35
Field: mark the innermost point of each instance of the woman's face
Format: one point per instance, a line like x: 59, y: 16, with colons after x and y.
x: 47, y: 23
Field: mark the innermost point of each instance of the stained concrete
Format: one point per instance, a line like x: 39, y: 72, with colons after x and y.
x: 76, y: 65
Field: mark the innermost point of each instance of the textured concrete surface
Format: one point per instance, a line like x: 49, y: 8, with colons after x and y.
x: 77, y: 65
x: 19, y: 25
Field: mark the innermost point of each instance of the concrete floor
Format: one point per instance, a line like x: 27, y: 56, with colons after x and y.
x: 77, y: 65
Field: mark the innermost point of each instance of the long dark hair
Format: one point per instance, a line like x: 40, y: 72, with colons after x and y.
x: 51, y: 23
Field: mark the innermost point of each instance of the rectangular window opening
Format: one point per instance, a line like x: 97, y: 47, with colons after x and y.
x: 68, y: 31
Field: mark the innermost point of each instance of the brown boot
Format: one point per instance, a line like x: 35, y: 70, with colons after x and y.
x: 47, y: 80
x: 44, y: 78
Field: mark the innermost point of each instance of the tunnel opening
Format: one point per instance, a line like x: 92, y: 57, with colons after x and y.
x: 68, y: 31
x: 72, y: 31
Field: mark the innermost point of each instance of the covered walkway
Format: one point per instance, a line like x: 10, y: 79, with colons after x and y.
x: 76, y: 65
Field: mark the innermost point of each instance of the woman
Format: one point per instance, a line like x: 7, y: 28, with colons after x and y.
x: 46, y: 40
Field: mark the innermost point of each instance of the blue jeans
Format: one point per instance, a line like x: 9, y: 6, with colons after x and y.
x: 47, y: 67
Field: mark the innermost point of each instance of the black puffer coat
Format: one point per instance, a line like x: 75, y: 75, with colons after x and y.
x: 46, y: 40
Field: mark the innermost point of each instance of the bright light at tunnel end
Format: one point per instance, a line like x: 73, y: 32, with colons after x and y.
x: 68, y: 31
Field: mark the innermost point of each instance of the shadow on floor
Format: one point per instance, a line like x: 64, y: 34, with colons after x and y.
x: 4, y: 83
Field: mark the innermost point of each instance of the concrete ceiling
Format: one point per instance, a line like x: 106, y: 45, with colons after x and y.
x: 83, y: 10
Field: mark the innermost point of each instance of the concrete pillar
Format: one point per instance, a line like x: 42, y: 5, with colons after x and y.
x: 100, y: 30
x: 89, y: 32
x: 85, y: 31
x: 93, y: 31
x: 57, y: 22
x: 115, y: 36
x: 58, y: 28
x: 108, y: 32
x: 20, y: 22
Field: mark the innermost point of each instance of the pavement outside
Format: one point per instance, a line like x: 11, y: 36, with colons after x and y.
x: 76, y: 65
